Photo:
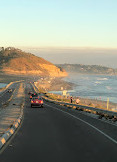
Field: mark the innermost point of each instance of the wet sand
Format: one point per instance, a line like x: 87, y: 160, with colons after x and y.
x: 58, y: 83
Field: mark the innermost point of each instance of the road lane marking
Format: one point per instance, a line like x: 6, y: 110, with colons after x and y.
x: 107, y: 136
x: 101, y: 120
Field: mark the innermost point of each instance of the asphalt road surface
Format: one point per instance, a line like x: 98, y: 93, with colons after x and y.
x: 5, y: 96
x: 58, y: 134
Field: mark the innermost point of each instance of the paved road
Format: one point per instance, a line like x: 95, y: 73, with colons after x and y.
x: 5, y: 96
x: 10, y: 110
x: 57, y: 134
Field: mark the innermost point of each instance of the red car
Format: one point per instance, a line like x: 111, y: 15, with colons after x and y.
x: 36, y: 102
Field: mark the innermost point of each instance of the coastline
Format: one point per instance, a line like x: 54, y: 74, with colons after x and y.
x: 58, y: 83
x: 55, y: 84
x: 3, y: 87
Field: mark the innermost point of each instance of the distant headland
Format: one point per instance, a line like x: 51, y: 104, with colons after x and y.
x: 88, y: 69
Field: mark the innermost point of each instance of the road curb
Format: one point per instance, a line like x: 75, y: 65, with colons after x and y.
x: 7, y: 135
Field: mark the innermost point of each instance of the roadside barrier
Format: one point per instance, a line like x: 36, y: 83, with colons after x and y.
x: 6, y: 136
x: 13, y: 128
x: 98, y: 111
x: 101, y: 112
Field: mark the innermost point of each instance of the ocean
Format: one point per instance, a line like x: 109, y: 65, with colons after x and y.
x: 100, y: 87
x: 2, y: 85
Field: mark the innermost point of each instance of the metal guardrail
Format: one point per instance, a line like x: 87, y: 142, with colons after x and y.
x: 98, y: 110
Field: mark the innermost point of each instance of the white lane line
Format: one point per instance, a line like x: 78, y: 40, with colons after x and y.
x: 113, y: 140
x: 101, y: 120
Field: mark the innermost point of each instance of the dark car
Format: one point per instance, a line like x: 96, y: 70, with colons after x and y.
x: 9, y: 90
x: 30, y: 92
x: 36, y: 102
x: 33, y: 95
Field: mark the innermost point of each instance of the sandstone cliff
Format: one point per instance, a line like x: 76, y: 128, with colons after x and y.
x: 15, y: 61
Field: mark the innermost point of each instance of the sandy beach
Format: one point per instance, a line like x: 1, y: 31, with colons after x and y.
x: 54, y: 84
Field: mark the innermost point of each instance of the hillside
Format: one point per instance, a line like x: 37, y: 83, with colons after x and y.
x: 15, y: 61
x: 88, y: 69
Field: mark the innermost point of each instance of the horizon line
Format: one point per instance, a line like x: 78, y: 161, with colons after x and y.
x: 68, y: 47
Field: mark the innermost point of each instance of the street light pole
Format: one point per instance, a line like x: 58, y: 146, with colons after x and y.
x: 107, y: 103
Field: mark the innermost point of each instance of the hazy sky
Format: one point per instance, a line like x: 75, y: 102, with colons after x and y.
x: 35, y: 23
x: 89, y: 56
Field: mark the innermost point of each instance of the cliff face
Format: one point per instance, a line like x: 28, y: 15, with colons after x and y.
x: 14, y: 61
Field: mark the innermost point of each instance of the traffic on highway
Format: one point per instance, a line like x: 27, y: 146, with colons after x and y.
x: 36, y: 100
x: 57, y: 133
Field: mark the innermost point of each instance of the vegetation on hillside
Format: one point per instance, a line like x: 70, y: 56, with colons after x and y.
x: 15, y: 61
x: 88, y: 69
x: 10, y: 53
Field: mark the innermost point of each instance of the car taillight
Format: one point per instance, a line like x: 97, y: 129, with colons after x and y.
x: 41, y: 102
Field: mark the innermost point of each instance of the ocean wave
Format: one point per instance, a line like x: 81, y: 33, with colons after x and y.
x: 108, y: 87
x: 102, y: 79
x: 98, y: 82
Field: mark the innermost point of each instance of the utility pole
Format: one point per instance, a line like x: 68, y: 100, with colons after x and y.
x: 107, y: 103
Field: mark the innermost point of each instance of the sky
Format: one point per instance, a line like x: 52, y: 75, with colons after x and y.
x: 62, y: 31
x: 87, y: 56
x: 58, y: 23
